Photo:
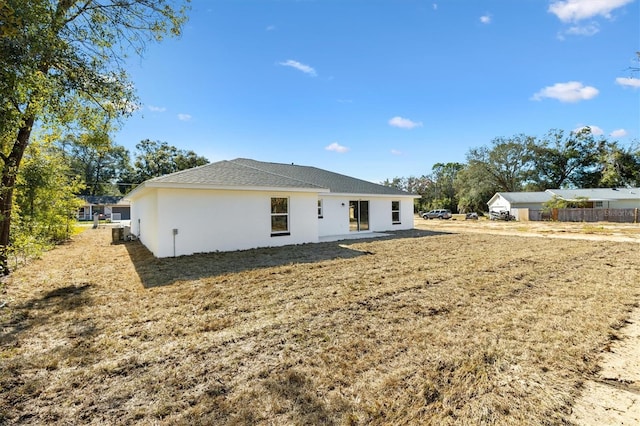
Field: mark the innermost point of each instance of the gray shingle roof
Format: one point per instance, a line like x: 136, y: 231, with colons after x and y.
x: 598, y: 194
x: 243, y: 172
x: 100, y: 199
x: 526, y: 197
x: 326, y: 179
x: 231, y: 174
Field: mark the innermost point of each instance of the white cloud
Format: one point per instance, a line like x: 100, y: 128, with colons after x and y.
x: 404, y: 123
x: 628, y: 81
x: 572, y: 91
x: 336, y: 147
x: 271, y: 27
x: 595, y: 130
x: 618, y: 133
x: 156, y: 108
x: 299, y: 66
x: 577, y: 10
x: 435, y: 6
x: 485, y: 19
x: 184, y: 117
x: 396, y: 152
x: 584, y: 30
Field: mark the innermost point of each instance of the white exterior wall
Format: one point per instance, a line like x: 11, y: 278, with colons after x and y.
x: 621, y: 204
x: 144, y: 219
x: 380, y: 214
x: 219, y: 220
x: 335, y: 220
x: 499, y: 204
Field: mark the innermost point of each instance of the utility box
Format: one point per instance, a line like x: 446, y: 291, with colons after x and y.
x: 117, y: 234
x: 126, y: 233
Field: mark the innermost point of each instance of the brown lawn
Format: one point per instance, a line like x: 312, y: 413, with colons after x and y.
x: 424, y: 328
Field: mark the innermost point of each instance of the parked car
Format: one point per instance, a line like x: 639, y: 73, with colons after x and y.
x: 437, y: 214
x: 472, y: 215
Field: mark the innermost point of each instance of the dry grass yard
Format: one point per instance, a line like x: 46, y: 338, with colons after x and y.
x: 424, y: 328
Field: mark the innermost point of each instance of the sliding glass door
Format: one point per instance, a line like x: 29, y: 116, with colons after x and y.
x: 358, y: 215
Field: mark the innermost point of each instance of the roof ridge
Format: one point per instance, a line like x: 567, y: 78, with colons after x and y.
x: 179, y: 172
x: 272, y: 173
x: 306, y: 167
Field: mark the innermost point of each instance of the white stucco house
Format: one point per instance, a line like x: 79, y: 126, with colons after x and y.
x: 106, y: 206
x: 241, y: 204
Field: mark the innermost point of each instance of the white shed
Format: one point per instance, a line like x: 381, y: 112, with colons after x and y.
x: 502, y: 201
x: 242, y: 204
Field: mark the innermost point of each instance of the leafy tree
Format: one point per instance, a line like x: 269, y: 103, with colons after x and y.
x: 558, y: 203
x: 61, y: 62
x: 442, y: 188
x: 504, y: 166
x: 155, y: 158
x: 415, y: 185
x: 473, y: 188
x: 97, y: 160
x: 396, y: 182
x: 561, y: 161
x: 46, y: 204
x: 621, y: 166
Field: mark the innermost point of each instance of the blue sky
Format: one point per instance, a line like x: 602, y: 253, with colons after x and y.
x: 382, y: 88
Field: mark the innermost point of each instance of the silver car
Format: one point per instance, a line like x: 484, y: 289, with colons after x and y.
x: 437, y: 214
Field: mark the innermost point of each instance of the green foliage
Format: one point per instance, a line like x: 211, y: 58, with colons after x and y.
x: 473, y: 189
x: 555, y: 203
x: 155, y: 158
x: 558, y: 203
x: 621, y: 166
x: 62, y: 65
x: 99, y: 162
x: 561, y: 161
x: 436, y: 189
x: 45, y: 202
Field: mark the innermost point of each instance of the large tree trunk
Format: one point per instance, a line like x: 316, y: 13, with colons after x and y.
x: 9, y: 174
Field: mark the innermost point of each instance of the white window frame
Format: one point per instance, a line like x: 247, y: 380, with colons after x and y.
x: 320, y: 209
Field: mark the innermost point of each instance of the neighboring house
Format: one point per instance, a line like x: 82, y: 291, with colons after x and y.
x: 596, y: 198
x: 106, y: 206
x: 502, y: 201
x: 242, y: 204
x: 606, y: 198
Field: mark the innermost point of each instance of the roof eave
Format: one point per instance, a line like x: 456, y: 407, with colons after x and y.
x: 206, y: 186
x: 369, y: 194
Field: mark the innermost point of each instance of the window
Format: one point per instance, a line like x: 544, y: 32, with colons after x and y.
x: 279, y: 216
x: 395, y: 212
x: 598, y: 204
x: 319, y: 209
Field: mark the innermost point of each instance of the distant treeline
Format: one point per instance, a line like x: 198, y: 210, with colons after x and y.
x: 578, y: 159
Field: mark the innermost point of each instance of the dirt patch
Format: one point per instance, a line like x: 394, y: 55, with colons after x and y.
x: 612, y: 397
x: 436, y: 327
x: 599, y: 231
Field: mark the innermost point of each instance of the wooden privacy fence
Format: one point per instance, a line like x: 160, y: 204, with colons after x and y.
x: 587, y: 215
